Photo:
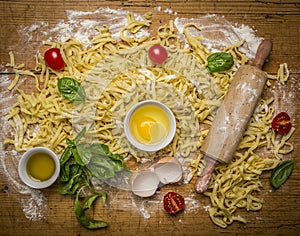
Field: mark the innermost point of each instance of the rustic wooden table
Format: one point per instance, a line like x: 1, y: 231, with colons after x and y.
x: 280, y: 215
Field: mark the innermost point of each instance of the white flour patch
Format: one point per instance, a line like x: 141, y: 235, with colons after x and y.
x: 33, y: 29
x: 84, y: 30
x: 32, y: 201
x: 191, y: 204
x: 218, y: 33
x: 248, y: 34
x: 145, y: 207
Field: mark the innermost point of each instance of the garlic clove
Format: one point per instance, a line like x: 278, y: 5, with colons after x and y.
x: 144, y: 183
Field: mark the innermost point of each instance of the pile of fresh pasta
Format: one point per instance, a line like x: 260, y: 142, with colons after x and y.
x: 117, y: 74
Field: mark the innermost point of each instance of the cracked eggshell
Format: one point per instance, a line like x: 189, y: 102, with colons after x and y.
x: 168, y: 170
x: 144, y: 183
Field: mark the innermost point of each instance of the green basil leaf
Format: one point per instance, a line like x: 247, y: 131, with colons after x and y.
x: 70, y: 143
x: 65, y: 156
x: 84, y: 218
x: 80, y: 135
x: 102, y: 150
x: 99, y: 149
x: 104, y: 197
x: 66, y: 187
x: 219, y: 61
x: 85, y: 153
x: 74, y: 168
x: 91, y: 223
x: 66, y: 170
x: 89, y: 200
x: 101, y: 168
x: 64, y: 174
x: 118, y: 162
x: 71, y: 89
x: 70, y: 189
x: 116, y: 157
x: 77, y: 157
x: 281, y: 173
x: 75, y: 188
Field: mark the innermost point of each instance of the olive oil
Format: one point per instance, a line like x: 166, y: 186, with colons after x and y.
x: 40, y: 166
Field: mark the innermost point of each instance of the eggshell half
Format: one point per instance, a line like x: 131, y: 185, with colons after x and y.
x: 144, y: 183
x: 168, y: 170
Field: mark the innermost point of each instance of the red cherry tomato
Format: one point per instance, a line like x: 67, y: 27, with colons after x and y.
x: 54, y: 59
x: 158, y: 54
x: 173, y: 203
x: 282, y: 123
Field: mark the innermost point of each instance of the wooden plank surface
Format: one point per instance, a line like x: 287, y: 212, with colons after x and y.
x: 275, y: 19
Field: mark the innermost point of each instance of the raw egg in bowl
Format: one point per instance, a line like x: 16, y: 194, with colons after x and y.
x: 150, y: 125
x: 39, y: 167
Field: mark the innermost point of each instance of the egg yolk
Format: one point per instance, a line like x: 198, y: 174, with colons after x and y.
x: 144, y: 126
x: 149, y: 124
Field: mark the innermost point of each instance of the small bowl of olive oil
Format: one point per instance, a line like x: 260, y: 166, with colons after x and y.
x: 39, y: 167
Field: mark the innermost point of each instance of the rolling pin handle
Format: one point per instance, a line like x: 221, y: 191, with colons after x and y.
x: 263, y: 52
x: 203, y: 180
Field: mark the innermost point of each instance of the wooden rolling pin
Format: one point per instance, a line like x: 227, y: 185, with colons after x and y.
x: 233, y: 115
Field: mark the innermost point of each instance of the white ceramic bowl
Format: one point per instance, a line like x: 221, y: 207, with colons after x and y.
x: 29, y: 180
x: 159, y: 145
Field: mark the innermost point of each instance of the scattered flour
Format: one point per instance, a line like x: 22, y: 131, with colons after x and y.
x: 32, y: 201
x: 83, y: 29
x: 206, y: 208
x: 29, y: 30
x: 167, y: 10
x: 218, y: 33
x: 142, y: 208
x: 147, y: 207
x: 158, y: 8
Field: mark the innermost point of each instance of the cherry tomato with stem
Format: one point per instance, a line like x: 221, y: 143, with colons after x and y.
x: 282, y: 123
x: 54, y: 59
x: 173, y: 203
x: 158, y: 54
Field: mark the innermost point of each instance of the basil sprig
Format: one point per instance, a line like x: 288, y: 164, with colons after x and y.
x: 84, y: 218
x: 71, y: 89
x: 281, y: 173
x: 80, y: 162
x: 219, y: 61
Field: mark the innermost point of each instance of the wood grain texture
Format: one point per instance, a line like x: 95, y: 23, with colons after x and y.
x: 274, y: 19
